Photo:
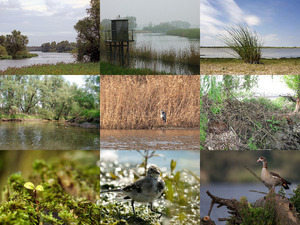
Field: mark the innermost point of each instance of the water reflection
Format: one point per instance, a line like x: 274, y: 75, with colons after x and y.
x: 46, y: 136
x: 150, y: 139
x: 43, y: 58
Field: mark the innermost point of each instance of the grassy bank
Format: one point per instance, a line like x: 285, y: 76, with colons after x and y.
x: 189, y: 33
x: 213, y: 66
x: 56, y: 69
x: 110, y: 69
x: 23, y: 56
x: 134, y: 102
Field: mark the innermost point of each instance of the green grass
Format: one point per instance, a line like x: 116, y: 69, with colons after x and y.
x: 189, y: 33
x: 56, y: 69
x: 110, y: 69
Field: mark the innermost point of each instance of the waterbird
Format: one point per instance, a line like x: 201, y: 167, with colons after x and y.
x: 145, y: 189
x: 163, y: 116
x: 270, y: 178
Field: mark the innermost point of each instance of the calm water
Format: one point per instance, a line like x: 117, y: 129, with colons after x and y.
x: 150, y: 139
x: 224, y: 190
x: 185, y: 159
x: 266, y: 53
x: 43, y: 58
x: 161, y: 42
x: 46, y: 136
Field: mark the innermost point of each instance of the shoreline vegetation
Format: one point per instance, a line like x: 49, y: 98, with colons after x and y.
x: 77, y: 68
x: 134, y: 102
x: 232, y: 66
x: 112, y: 69
x: 189, y: 33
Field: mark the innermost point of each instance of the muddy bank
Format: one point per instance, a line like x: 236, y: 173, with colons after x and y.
x: 91, y: 123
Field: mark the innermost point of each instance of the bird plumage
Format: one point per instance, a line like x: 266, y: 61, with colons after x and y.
x: 270, y: 178
x: 163, y: 116
x: 146, y: 189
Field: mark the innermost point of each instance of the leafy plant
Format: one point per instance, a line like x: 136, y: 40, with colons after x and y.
x: 273, y: 123
x: 251, y: 144
x: 244, y: 42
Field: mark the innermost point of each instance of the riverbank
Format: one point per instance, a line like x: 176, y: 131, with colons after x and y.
x: 79, y: 68
x: 24, y: 56
x: 111, y: 69
x: 228, y: 66
x: 135, y: 102
x: 189, y: 33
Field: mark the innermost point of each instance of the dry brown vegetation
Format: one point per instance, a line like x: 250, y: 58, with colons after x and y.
x: 134, y: 102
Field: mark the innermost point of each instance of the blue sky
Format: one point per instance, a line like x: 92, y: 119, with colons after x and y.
x: 277, y: 21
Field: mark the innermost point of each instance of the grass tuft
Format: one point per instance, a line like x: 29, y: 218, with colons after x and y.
x: 244, y: 42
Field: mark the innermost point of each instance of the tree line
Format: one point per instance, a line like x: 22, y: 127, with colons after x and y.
x: 63, y: 46
x: 166, y: 26
x: 48, y: 96
x: 88, y: 39
x: 13, y: 45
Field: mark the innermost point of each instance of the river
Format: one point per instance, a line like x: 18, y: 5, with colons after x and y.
x: 42, y: 58
x: 150, y: 139
x: 45, y: 135
x: 159, y: 43
x: 267, y: 53
x: 230, y: 190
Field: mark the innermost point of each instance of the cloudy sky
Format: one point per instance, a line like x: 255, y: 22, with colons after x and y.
x: 277, y: 21
x: 42, y: 20
x: 154, y: 11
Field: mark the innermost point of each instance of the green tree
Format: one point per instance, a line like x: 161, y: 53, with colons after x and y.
x: 3, y: 51
x: 2, y: 40
x: 88, y: 39
x: 46, y: 47
x: 293, y: 82
x: 132, y: 22
x: 105, y: 23
x: 15, y: 42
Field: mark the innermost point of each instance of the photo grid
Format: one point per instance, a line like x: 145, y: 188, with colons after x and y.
x: 249, y: 112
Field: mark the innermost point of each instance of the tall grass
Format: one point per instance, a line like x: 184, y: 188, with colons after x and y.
x: 189, y: 33
x: 244, y: 42
x: 134, y: 102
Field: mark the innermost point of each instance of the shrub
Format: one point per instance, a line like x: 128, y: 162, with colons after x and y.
x: 244, y: 42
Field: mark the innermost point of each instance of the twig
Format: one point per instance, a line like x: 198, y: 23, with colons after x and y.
x: 268, y: 186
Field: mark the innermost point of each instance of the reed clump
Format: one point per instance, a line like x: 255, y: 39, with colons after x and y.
x: 244, y: 42
x: 134, y: 102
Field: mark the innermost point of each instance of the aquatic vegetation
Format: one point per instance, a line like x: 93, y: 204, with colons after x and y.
x: 244, y: 42
x: 56, y: 69
x: 111, y: 69
x: 133, y: 102
x: 180, y: 202
x: 71, y: 191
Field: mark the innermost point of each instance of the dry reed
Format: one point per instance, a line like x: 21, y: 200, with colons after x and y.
x: 134, y: 102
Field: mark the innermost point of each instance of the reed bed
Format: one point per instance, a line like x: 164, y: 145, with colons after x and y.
x: 134, y: 102
x: 188, y: 56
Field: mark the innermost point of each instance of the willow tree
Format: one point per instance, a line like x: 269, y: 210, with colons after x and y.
x: 88, y: 39
x: 293, y: 82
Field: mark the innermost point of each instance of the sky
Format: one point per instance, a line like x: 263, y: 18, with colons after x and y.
x: 42, y: 20
x: 276, y: 21
x: 154, y: 11
x: 77, y: 79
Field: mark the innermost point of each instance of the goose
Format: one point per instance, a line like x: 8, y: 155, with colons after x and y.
x: 163, y: 116
x: 270, y: 178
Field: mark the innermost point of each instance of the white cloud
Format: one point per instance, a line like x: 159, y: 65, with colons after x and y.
x: 9, y: 4
x: 108, y: 155
x: 215, y: 15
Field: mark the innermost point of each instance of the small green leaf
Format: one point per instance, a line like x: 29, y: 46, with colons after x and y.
x: 29, y: 185
x: 39, y: 188
x: 173, y: 165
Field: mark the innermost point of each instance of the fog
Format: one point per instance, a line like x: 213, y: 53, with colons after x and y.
x: 154, y: 11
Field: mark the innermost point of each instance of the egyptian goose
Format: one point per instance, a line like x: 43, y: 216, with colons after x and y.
x: 270, y: 178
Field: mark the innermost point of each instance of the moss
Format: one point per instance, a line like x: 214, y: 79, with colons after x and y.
x: 70, y: 193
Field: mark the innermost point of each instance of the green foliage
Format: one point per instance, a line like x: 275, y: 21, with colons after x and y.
x: 59, y: 68
x: 88, y: 39
x: 244, y: 42
x: 295, y: 199
x: 293, y: 82
x: 166, y: 26
x: 251, y: 144
x: 273, y: 124
x: 189, y: 33
x: 258, y: 216
x: 3, y: 52
x: 63, y: 46
x: 15, y: 42
x: 265, y: 102
x: 71, y: 190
